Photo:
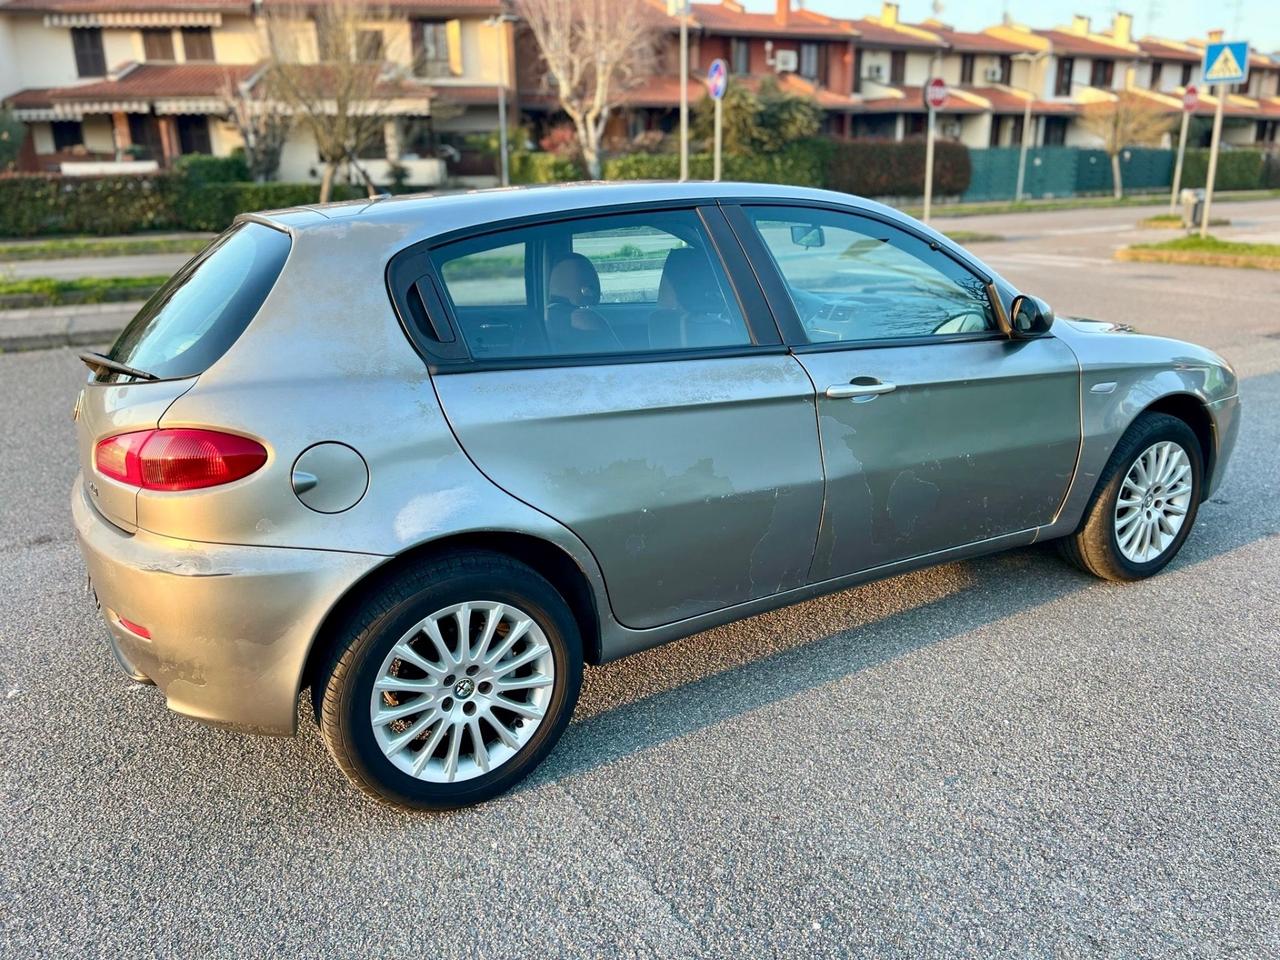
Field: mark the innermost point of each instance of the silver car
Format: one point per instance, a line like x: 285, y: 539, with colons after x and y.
x: 427, y: 457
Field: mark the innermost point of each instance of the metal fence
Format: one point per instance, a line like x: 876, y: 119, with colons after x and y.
x: 1065, y: 172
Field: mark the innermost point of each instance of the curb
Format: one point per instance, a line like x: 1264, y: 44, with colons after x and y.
x: 70, y: 326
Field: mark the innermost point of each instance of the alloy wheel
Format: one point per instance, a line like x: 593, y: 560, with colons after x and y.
x: 462, y: 691
x: 1153, y: 502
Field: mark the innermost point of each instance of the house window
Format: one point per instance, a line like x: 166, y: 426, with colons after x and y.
x: 431, y: 54
x: 369, y: 46
x: 897, y: 66
x: 1062, y: 83
x: 809, y: 61
x: 1186, y: 73
x: 1006, y: 70
x: 1156, y: 70
x: 1102, y: 73
x: 966, y: 67
x: 67, y: 134
x: 739, y: 55
x: 91, y: 61
x: 197, y: 43
x: 193, y: 134
x: 157, y: 45
x: 857, y: 70
x: 1055, y: 131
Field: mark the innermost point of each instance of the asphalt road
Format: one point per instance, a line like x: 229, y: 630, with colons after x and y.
x: 999, y: 757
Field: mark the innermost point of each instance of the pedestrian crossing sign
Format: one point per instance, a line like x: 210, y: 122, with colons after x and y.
x: 1226, y: 62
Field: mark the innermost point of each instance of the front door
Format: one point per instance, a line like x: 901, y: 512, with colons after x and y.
x: 937, y: 431
x: 613, y: 377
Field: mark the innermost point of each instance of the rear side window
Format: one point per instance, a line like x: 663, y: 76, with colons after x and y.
x: 626, y: 284
x: 195, y: 318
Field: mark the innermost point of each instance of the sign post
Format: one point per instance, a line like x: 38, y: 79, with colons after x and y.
x: 1190, y: 100
x: 1224, y: 64
x: 935, y: 95
x: 717, y: 83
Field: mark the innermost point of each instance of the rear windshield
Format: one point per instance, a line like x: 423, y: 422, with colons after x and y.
x: 195, y: 318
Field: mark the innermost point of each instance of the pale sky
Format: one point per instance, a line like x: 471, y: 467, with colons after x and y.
x: 1257, y: 21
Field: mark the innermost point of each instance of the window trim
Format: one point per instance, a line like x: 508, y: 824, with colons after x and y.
x: 412, y: 270
x: 784, y: 311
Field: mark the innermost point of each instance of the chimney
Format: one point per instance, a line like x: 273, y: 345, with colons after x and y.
x: 1215, y: 36
x: 889, y: 14
x: 1080, y: 25
x: 783, y: 12
x: 1122, y: 27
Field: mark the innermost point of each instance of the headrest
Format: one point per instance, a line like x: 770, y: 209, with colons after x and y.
x: 574, y: 280
x: 688, y: 284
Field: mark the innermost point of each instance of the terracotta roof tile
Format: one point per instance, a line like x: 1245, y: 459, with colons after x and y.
x: 964, y: 42
x: 728, y: 18
x: 124, y: 6
x: 873, y: 33
x: 158, y: 80
x: 1066, y: 42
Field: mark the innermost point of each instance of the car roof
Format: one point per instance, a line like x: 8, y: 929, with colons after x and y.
x: 426, y: 215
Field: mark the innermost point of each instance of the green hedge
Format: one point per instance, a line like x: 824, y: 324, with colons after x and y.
x: 883, y: 168
x: 214, y: 205
x: 38, y: 204
x: 1237, y: 169
x: 202, y: 168
x: 528, y: 167
x: 802, y: 164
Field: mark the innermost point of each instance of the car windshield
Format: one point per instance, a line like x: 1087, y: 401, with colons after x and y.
x: 195, y: 318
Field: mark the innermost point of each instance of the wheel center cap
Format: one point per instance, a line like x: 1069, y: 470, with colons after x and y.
x: 464, y: 688
x: 1148, y: 500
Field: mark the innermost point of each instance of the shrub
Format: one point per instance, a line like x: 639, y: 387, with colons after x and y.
x: 214, y: 205
x: 801, y: 164
x: 32, y: 204
x: 1237, y: 169
x: 529, y: 167
x: 202, y: 168
x: 883, y: 168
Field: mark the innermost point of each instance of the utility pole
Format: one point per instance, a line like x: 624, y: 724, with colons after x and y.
x: 499, y: 21
x: 682, y: 8
x: 1031, y: 60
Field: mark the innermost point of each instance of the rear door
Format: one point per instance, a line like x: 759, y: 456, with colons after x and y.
x: 637, y: 395
x: 937, y: 430
x: 187, y: 325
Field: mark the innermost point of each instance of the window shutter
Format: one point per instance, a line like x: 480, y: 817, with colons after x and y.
x: 453, y: 30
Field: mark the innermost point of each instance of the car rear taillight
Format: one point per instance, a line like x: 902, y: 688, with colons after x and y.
x: 179, y: 459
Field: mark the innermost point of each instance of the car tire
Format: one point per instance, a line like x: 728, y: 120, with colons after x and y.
x: 1109, y: 542
x: 407, y: 634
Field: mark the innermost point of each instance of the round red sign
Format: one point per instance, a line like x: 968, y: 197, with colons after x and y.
x: 1190, y: 98
x: 935, y: 93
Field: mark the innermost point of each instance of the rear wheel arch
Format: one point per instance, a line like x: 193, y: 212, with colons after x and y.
x: 547, y: 559
x: 1192, y: 411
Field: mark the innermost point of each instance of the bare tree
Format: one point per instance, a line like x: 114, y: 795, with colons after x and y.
x: 263, y: 127
x: 343, y: 95
x: 1130, y: 120
x: 594, y: 51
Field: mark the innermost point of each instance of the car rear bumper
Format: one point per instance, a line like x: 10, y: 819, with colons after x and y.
x: 230, y: 626
x: 1226, y: 427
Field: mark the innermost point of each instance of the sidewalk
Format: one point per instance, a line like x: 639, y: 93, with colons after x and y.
x: 76, y: 326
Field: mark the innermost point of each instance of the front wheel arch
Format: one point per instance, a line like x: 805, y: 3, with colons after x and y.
x: 1192, y: 411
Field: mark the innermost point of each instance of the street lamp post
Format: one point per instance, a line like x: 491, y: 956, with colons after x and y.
x: 504, y: 160
x: 1030, y: 60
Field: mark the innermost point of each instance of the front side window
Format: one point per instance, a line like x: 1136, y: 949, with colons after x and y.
x: 739, y: 55
x: 1101, y: 74
x: 633, y: 283
x: 1157, y: 71
x: 897, y: 66
x: 91, y: 59
x: 433, y: 55
x: 966, y: 67
x: 809, y: 61
x: 851, y: 278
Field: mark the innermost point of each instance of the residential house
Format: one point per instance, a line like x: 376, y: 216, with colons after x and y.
x: 115, y: 84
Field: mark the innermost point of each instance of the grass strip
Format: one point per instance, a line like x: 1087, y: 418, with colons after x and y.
x: 75, y: 247
x: 1207, y: 252
x: 51, y: 292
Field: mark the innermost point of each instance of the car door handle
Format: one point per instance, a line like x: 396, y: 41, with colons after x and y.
x: 860, y: 387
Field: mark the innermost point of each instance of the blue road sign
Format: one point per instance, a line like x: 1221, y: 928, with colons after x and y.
x: 717, y: 79
x: 1225, y: 62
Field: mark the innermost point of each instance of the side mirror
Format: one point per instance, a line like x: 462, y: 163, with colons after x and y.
x: 808, y: 235
x: 1030, y: 317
